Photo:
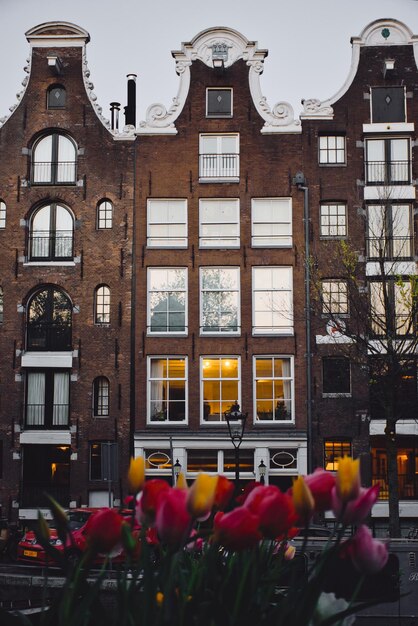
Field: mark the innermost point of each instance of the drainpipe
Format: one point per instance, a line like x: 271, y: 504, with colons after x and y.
x: 300, y: 182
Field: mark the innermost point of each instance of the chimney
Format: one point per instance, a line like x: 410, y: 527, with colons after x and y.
x: 130, y: 109
x: 114, y: 115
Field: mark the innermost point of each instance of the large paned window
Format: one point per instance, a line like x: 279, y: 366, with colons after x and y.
x: 54, y: 160
x: 407, y: 465
x: 51, y: 234
x: 273, y: 388
x: 219, y: 223
x: 334, y: 297
x: 220, y: 386
x: 47, y: 399
x: 333, y: 220
x: 101, y: 397
x: 332, y: 150
x: 391, y: 308
x: 219, y: 305
x: 104, y: 214
x: 219, y: 157
x: 271, y: 222
x: 389, y: 231
x: 336, y: 380
x: 272, y: 301
x: 388, y: 161
x: 167, y: 300
x: 167, y: 223
x: 102, y: 305
x: 335, y: 449
x: 167, y: 389
x: 49, y: 320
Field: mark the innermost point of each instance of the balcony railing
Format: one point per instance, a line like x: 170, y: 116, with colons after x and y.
x: 390, y: 248
x: 46, y: 246
x: 219, y: 165
x: 49, y: 336
x: 33, y: 495
x: 42, y: 416
x: 388, y: 172
x: 407, y: 486
x: 54, y: 173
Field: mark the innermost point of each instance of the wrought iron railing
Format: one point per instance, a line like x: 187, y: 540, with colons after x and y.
x: 388, y: 172
x: 391, y: 248
x: 54, y: 173
x: 219, y: 165
x: 49, y: 336
x: 51, y: 246
x: 44, y: 416
x: 407, y: 486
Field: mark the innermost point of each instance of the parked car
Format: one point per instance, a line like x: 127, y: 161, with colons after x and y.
x: 30, y: 551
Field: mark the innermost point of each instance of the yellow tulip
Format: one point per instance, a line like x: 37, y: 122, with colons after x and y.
x: 201, y: 495
x: 348, y: 478
x: 136, y: 474
x: 303, y: 500
x: 181, y: 481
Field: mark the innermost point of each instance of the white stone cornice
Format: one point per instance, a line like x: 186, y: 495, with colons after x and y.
x: 279, y: 119
x: 381, y: 32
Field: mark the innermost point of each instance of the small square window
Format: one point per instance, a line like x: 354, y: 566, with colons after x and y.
x: 218, y: 102
x: 336, y: 376
x: 332, y: 150
x: 334, y: 297
x: 333, y: 220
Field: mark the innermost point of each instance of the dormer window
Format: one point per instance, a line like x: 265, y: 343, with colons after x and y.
x: 218, y: 102
x: 388, y: 104
x: 57, y: 97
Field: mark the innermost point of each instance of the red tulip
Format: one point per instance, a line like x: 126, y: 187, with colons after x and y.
x: 321, y: 484
x: 103, y: 530
x: 355, y: 511
x: 274, y: 509
x: 224, y: 492
x: 368, y: 555
x: 236, y: 530
x: 173, y: 521
x: 148, y: 502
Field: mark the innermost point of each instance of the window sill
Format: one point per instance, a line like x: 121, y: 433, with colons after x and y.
x: 332, y: 164
x: 171, y: 424
x: 49, y: 264
x: 274, y: 422
x: 220, y: 334
x: 289, y: 333
x: 169, y: 334
x: 336, y: 395
x: 231, y: 179
x: 220, y: 247
x: 284, y: 246
x: 166, y: 247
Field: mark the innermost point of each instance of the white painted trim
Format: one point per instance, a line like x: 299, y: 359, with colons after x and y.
x: 49, y: 264
x: 403, y: 427
x: 291, y: 326
x: 49, y: 437
x: 389, y: 127
x: 394, y: 192
x: 33, y: 514
x: 230, y: 202
x: 184, y: 204
x: 407, y: 508
x: 47, y: 359
x: 392, y: 268
x: 169, y: 333
x: 165, y: 423
x: 236, y: 333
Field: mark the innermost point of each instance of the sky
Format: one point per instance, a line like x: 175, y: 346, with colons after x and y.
x: 308, y: 42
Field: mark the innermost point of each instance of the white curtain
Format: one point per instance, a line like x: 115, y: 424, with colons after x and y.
x: 157, y: 388
x: 287, y: 386
x: 42, y: 166
x: 35, y: 410
x: 61, y: 389
x: 66, y: 160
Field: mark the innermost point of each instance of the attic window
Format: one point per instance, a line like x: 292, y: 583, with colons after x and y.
x: 56, y: 97
x: 388, y: 104
x: 218, y: 102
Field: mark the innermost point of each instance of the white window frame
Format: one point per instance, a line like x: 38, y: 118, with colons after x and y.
x: 218, y: 241
x: 208, y: 89
x: 272, y: 330
x: 150, y: 380
x: 325, y: 150
x: 212, y: 166
x: 291, y: 378
x: 102, y: 300
x: 218, y: 357
x: 105, y: 211
x: 332, y: 305
x: 167, y: 241
x: 329, y: 212
x: 237, y: 290
x: 150, y: 332
x: 3, y: 211
x: 275, y: 240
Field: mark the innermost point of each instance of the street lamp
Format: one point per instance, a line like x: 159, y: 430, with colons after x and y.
x: 236, y: 426
x: 262, y: 471
x: 176, y: 470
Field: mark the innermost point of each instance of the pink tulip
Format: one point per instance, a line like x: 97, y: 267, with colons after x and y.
x: 173, y: 522
x: 368, y: 555
x: 321, y: 484
x: 357, y: 510
x: 236, y: 530
x: 274, y: 509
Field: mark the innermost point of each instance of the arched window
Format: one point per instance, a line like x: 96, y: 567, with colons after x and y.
x: 54, y: 160
x: 102, y: 305
x: 101, y: 393
x: 49, y: 320
x: 51, y: 233
x: 57, y: 97
x: 104, y: 214
x: 2, y: 214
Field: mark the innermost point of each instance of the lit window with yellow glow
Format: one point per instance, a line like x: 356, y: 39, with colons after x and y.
x: 334, y: 450
x: 220, y: 387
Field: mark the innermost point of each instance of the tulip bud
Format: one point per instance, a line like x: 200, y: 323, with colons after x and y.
x: 358, y: 509
x: 103, y: 530
x: 348, y: 478
x: 303, y: 500
x: 368, y: 555
x: 181, y: 481
x: 149, y: 499
x: 136, y: 474
x: 173, y: 521
x: 321, y: 484
x: 202, y: 495
x: 224, y: 491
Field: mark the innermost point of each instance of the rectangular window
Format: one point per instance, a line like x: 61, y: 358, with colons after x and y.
x: 219, y: 304
x: 167, y: 300
x: 167, y: 389
x: 332, y: 150
x: 202, y: 460
x: 336, y: 376
x: 271, y: 222
x: 334, y: 450
x: 47, y: 399
x: 219, y: 157
x: 272, y: 300
x: 219, y: 223
x: 2, y: 214
x: 167, y: 223
x: 334, y: 297
x: 103, y: 460
x: 246, y: 460
x: 389, y: 231
x: 220, y: 386
x: 388, y: 104
x: 219, y: 102
x: 333, y: 220
x: 391, y: 308
x: 273, y: 389
x: 388, y: 161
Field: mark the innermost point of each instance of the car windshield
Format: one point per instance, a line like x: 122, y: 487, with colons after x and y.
x: 77, y: 519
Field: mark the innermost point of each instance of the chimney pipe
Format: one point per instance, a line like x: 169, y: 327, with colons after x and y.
x: 114, y: 115
x: 130, y: 109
